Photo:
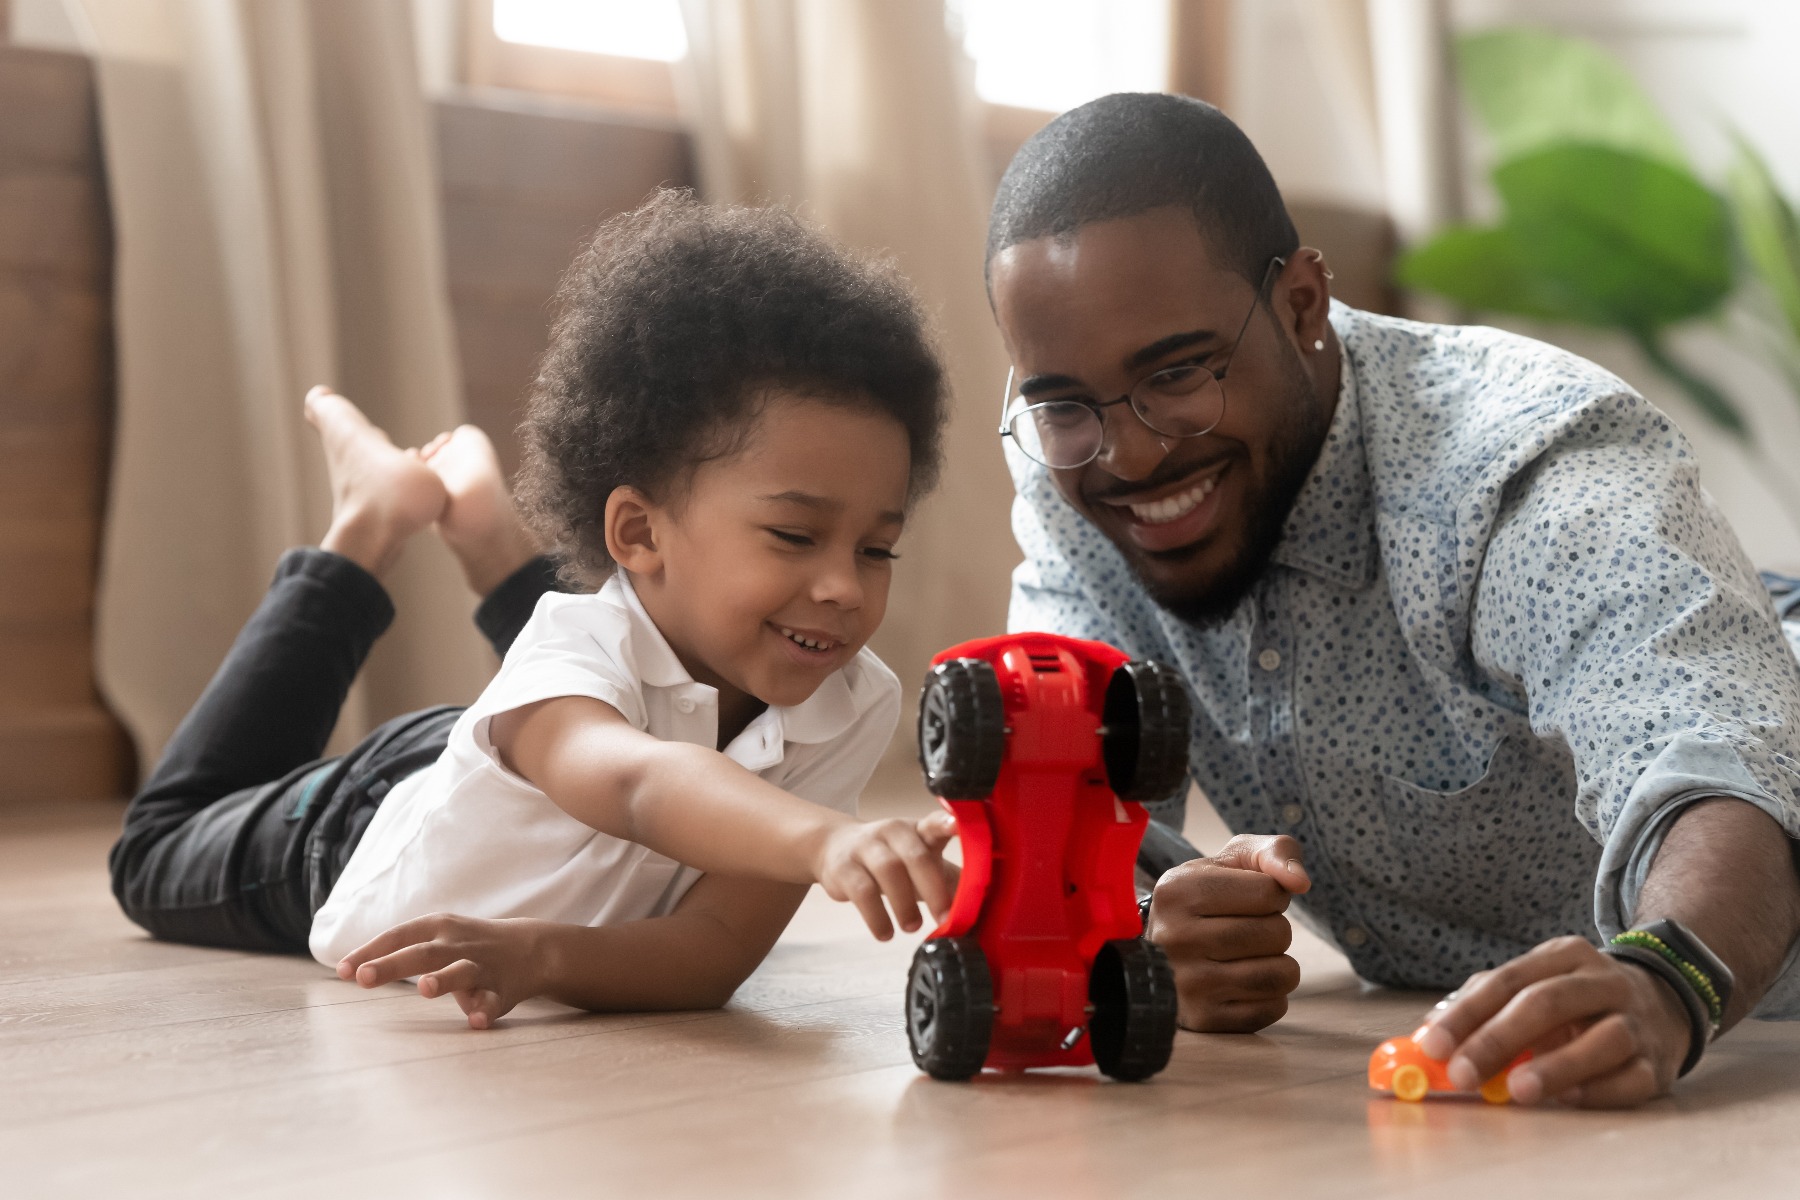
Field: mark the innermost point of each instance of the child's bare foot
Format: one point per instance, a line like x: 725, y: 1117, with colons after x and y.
x: 479, y: 524
x: 380, y: 494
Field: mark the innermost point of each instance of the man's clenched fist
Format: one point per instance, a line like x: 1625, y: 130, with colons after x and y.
x: 1220, y: 920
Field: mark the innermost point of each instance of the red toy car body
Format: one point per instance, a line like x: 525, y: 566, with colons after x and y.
x: 1042, y: 747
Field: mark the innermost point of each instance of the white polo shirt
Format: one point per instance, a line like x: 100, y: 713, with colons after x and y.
x: 468, y: 836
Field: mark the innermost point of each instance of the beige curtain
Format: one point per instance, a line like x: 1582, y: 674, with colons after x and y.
x: 276, y: 205
x: 860, y: 114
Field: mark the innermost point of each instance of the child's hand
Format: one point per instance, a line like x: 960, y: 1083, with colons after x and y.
x: 489, y: 966
x: 864, y: 862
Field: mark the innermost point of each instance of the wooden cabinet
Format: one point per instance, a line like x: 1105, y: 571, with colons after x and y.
x: 57, y: 741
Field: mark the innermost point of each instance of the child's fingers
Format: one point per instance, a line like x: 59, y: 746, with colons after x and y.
x: 925, y: 866
x: 483, y: 1007
x: 862, y: 891
x: 894, y: 876
x: 937, y: 830
x: 407, y: 933
x: 460, y: 976
x: 411, y: 960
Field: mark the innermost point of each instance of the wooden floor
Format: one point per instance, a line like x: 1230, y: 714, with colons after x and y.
x: 134, y: 1069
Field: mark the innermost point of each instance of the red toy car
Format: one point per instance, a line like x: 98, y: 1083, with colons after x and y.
x: 1042, y: 747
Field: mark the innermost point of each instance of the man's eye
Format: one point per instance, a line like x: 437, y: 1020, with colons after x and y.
x: 1180, y: 379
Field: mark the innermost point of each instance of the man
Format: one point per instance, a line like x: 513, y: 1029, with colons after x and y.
x: 1457, y: 619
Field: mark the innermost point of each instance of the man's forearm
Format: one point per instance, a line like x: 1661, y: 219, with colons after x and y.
x: 1727, y: 871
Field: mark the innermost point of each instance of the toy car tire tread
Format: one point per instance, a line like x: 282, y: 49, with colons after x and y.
x: 962, y: 729
x: 1148, y: 720
x: 1132, y: 989
x: 949, y: 1007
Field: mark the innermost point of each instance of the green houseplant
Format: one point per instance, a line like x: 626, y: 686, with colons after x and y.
x: 1605, y: 223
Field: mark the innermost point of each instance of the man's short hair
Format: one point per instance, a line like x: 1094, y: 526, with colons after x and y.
x: 1131, y: 152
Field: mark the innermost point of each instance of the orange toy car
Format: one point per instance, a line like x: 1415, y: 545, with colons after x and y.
x: 1401, y: 1067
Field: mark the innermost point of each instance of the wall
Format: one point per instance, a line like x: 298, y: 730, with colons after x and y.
x: 524, y: 182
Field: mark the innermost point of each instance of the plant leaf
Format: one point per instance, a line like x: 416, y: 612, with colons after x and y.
x: 1530, y: 88
x: 1481, y: 269
x: 1767, y: 230
x: 1619, y: 239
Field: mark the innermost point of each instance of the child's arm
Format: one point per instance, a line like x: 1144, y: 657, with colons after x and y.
x: 698, y: 807
x: 696, y: 957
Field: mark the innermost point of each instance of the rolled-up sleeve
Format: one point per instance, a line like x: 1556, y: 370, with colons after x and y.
x: 1616, y: 598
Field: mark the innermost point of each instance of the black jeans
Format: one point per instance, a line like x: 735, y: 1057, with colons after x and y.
x: 242, y: 829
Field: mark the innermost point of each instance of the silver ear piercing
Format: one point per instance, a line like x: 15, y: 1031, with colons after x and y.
x: 1319, y: 257
x: 1319, y: 344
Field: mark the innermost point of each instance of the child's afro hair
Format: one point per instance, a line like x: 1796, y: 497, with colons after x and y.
x: 673, y: 322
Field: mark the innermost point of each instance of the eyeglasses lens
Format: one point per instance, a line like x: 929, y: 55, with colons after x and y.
x: 1180, y: 402
x: 1059, y: 434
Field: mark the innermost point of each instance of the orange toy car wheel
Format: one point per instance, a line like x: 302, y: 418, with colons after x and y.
x: 1495, y: 1091
x: 1411, y: 1083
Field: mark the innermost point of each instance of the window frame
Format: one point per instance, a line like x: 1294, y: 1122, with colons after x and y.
x: 640, y: 85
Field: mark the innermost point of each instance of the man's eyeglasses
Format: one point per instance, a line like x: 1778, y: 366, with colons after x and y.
x: 1176, y: 402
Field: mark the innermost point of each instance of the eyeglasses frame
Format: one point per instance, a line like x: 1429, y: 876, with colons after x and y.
x: 1099, y: 407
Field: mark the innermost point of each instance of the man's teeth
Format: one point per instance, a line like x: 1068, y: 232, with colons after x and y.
x: 809, y: 643
x: 1161, y: 512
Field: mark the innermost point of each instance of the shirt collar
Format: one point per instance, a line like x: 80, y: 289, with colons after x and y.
x: 1330, y: 531
x: 826, y: 714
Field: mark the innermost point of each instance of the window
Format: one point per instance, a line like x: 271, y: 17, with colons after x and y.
x: 1052, y: 55
x: 649, y: 29
x: 615, y: 52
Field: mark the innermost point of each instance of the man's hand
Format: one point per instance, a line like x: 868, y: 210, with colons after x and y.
x: 1220, y: 920
x: 863, y: 862
x: 1604, y: 1033
x: 488, y: 966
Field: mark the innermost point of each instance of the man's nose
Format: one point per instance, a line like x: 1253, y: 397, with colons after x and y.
x: 1129, y: 449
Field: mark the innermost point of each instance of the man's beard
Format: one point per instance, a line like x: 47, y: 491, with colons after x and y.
x: 1290, y: 462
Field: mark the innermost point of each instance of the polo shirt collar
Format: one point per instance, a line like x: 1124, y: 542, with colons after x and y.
x: 826, y: 714
x: 1330, y: 531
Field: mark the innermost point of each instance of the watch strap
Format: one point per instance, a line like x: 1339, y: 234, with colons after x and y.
x: 1699, y: 1020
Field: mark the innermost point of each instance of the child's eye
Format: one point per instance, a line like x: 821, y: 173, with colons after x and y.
x: 880, y: 553
x: 792, y: 538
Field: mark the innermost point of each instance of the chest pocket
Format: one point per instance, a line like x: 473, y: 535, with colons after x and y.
x: 1428, y: 822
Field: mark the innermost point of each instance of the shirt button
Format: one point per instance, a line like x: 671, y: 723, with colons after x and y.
x: 1356, y: 936
x: 1292, y: 814
x: 1269, y: 660
x: 685, y: 704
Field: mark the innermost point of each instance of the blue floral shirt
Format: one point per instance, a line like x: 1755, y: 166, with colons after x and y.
x: 1505, y: 638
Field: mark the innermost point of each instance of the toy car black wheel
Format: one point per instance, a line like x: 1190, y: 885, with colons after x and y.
x: 1132, y: 989
x: 1147, y: 718
x: 962, y: 729
x: 949, y: 1007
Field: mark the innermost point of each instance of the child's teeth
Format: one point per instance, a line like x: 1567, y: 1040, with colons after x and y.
x: 802, y: 641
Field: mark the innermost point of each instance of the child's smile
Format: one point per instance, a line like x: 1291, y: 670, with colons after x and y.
x: 768, y: 569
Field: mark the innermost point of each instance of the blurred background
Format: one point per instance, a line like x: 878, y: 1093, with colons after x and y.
x: 206, y: 206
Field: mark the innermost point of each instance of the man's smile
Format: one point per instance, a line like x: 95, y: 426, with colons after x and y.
x: 1172, y: 515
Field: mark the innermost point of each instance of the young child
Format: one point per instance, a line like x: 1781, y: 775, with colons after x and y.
x: 724, y: 440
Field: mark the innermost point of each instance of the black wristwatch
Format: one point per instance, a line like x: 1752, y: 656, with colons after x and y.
x: 1144, y: 916
x: 1673, y: 953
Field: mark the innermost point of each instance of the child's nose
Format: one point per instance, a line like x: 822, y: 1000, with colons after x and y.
x: 839, y: 584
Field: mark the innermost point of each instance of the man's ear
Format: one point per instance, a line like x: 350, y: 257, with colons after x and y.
x: 630, y: 523
x: 1305, y: 299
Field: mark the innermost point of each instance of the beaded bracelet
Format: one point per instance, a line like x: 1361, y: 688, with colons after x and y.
x: 1698, y: 979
